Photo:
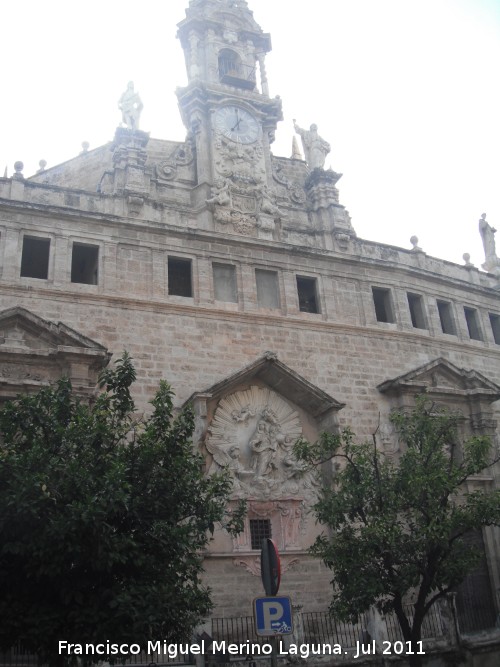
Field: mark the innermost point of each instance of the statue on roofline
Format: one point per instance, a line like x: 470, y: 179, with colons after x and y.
x: 492, y: 262
x: 130, y: 104
x: 315, y: 147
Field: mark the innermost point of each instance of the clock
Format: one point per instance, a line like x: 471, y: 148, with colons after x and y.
x: 237, y: 124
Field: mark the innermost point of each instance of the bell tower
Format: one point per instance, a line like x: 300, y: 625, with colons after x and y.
x: 227, y: 109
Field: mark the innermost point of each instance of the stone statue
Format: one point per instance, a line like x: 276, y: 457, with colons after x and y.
x: 315, y: 148
x: 130, y: 105
x: 488, y: 237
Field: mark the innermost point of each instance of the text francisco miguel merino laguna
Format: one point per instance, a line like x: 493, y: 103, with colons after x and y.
x: 245, y: 648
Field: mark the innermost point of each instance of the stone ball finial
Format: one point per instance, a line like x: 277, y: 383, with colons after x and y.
x: 42, y: 164
x: 466, y: 258
x: 414, y: 242
x: 85, y: 146
x: 18, y: 167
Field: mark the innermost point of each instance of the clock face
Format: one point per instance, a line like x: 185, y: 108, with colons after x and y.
x: 237, y: 124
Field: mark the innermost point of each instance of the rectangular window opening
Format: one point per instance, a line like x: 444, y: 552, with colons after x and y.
x: 472, y: 319
x: 446, y: 317
x: 84, y: 264
x: 267, y: 289
x: 495, y: 327
x: 35, y: 258
x: 225, y: 282
x: 308, y: 295
x: 415, y: 303
x: 179, y: 277
x: 260, y: 529
x: 383, y: 304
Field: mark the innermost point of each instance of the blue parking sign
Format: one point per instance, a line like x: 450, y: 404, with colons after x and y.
x: 273, y: 616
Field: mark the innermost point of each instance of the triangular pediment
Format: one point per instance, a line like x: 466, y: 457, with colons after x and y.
x: 21, y: 329
x: 280, y: 378
x: 248, y: 423
x: 35, y: 352
x: 440, y: 376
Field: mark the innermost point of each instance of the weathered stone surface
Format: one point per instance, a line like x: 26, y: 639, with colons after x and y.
x: 150, y: 206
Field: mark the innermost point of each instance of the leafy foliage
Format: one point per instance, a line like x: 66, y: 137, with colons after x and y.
x: 103, y: 518
x: 397, y: 528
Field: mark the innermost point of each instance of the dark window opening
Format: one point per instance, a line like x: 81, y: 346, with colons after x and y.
x: 35, y: 258
x: 475, y: 604
x: 260, y: 529
x: 495, y: 327
x: 383, y: 305
x: 416, y: 310
x: 179, y: 277
x: 225, y: 282
x: 84, y: 264
x: 229, y: 63
x: 233, y: 72
x: 267, y: 289
x: 308, y: 297
x: 446, y: 317
x: 472, y: 319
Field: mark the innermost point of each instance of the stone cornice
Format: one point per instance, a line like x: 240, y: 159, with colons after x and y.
x: 436, y: 344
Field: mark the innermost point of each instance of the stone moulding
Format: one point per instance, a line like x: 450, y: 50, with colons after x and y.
x: 35, y: 353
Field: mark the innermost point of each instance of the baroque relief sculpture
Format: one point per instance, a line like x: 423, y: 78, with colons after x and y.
x: 252, y: 434
x: 292, y: 190
x: 180, y: 157
x: 239, y: 196
x: 239, y: 162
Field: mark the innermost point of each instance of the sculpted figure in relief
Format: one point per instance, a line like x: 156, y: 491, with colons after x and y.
x: 130, y: 105
x: 315, y: 147
x: 243, y: 164
x: 221, y: 194
x: 264, y: 443
x: 252, y: 434
x: 267, y: 204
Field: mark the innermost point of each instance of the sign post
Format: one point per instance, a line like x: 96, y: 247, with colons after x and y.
x: 273, y: 615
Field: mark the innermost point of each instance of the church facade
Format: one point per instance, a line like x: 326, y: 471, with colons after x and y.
x: 237, y: 276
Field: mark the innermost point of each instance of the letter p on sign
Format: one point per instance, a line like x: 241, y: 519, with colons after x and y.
x: 273, y: 616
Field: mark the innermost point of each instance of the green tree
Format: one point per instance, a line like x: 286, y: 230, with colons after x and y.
x: 103, y: 518
x: 397, y: 528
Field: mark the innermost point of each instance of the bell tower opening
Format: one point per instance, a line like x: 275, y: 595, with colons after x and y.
x: 233, y: 72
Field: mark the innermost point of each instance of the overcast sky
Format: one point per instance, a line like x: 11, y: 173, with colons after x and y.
x: 406, y: 92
